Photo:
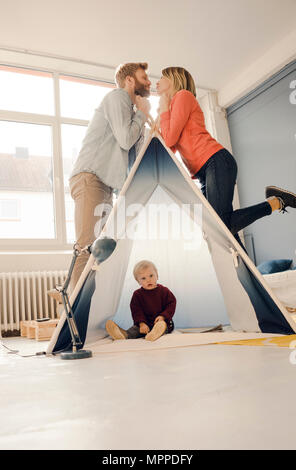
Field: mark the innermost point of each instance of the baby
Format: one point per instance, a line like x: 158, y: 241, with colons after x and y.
x: 152, y: 307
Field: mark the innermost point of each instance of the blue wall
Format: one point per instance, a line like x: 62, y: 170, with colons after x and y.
x: 263, y: 136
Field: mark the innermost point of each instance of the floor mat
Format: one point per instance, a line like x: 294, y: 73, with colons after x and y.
x: 176, y: 339
x: 284, y: 341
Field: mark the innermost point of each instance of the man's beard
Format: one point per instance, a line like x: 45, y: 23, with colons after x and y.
x: 140, y: 89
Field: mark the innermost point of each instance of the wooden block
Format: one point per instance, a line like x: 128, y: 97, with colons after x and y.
x: 31, y: 331
x: 23, y: 327
x: 44, y: 330
x: 41, y: 331
x: 42, y: 334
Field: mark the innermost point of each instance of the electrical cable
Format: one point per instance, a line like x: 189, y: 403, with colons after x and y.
x: 16, y: 351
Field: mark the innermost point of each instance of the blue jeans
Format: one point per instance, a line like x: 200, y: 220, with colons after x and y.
x: 218, y: 178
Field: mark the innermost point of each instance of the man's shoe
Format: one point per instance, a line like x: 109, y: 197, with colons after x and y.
x: 286, y: 198
x: 115, y: 331
x: 157, y: 331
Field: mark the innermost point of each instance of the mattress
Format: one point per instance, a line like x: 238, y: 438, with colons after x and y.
x: 283, y: 285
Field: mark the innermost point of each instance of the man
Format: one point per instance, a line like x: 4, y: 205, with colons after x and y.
x: 102, y: 163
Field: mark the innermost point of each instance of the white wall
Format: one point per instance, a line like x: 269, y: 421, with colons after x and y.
x: 34, y: 261
x: 260, y: 70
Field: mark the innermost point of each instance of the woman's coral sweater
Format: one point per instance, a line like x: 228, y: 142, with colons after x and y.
x: 183, y: 129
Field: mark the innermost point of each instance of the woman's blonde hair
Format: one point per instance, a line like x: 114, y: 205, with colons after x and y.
x: 181, y: 78
x: 143, y: 265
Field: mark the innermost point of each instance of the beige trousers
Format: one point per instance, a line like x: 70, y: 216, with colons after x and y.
x: 90, y: 196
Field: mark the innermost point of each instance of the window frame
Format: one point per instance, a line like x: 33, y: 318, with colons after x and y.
x: 56, y: 121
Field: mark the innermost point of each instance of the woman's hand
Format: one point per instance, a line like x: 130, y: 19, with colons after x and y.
x: 164, y: 103
x: 144, y: 329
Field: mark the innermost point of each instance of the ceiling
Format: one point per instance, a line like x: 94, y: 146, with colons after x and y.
x: 214, y: 39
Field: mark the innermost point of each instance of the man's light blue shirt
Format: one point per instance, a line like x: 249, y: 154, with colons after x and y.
x: 111, y: 135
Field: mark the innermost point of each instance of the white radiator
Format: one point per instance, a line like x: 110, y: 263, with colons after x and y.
x: 23, y: 296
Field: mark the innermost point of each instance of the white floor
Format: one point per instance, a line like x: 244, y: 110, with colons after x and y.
x: 197, y: 397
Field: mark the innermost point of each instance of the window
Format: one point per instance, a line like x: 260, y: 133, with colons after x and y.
x: 72, y: 137
x: 27, y: 176
x: 9, y: 209
x: 79, y: 98
x: 154, y: 99
x: 43, y: 120
x: 26, y: 90
x: 70, y: 219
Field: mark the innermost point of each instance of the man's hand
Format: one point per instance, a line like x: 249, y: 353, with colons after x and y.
x: 159, y: 318
x: 144, y: 329
x: 142, y: 104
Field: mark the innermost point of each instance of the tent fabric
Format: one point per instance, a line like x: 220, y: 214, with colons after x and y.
x: 211, y: 276
x: 269, y: 316
x: 80, y: 309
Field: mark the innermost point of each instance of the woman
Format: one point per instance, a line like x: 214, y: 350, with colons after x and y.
x: 183, y: 128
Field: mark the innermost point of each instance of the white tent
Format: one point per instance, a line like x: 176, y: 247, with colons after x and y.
x: 161, y: 215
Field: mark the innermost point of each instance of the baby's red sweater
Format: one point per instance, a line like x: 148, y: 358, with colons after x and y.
x: 183, y: 129
x: 147, y: 304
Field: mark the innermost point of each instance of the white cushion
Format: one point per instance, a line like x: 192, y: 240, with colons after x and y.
x: 283, y: 285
